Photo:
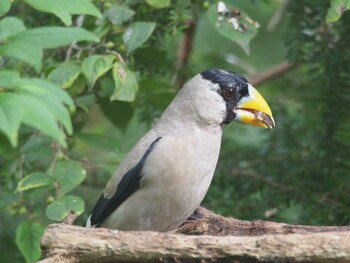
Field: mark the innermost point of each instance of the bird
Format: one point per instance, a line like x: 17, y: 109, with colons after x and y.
x: 166, y: 175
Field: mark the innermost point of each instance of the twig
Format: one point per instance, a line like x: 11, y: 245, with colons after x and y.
x: 70, y: 218
x: 270, y: 74
x: 244, y: 172
x: 184, y: 52
x: 278, y: 16
x: 73, y: 45
x: 120, y: 58
x: 264, y: 179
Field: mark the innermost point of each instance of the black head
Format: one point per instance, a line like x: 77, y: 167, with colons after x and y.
x: 233, y: 86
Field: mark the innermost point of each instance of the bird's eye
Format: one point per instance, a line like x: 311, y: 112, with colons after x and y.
x: 229, y: 93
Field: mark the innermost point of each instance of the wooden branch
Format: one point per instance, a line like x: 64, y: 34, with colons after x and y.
x: 233, y: 241
x: 216, y: 225
x: 65, y: 243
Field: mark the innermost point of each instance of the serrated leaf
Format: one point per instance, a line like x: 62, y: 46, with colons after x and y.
x: 8, y: 78
x: 65, y: 8
x: 335, y: 11
x: 55, y: 98
x: 158, y: 3
x: 34, y: 180
x: 41, y: 87
x: 95, y: 66
x: 27, y: 52
x: 65, y: 74
x: 240, y: 30
x: 5, y: 6
x: 119, y: 14
x: 69, y: 174
x: 125, y: 83
x: 10, y: 26
x: 28, y: 235
x: 78, y: 86
x: 61, y: 113
x: 61, y: 208
x: 137, y: 34
x: 10, y: 116
x: 37, y: 115
x: 53, y: 37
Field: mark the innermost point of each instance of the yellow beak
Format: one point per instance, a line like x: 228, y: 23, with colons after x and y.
x: 254, y: 110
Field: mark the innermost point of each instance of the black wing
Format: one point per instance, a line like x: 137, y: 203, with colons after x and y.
x: 127, y: 185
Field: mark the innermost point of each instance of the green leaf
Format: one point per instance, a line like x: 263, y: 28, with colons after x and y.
x: 40, y: 87
x: 38, y: 115
x: 65, y: 8
x: 241, y: 30
x: 158, y: 3
x: 53, y: 37
x: 69, y: 174
x: 8, y: 78
x: 55, y: 98
x: 95, y: 66
x: 125, y: 83
x: 10, y: 116
x: 65, y: 74
x: 34, y: 180
x: 10, y: 26
x: 27, y: 52
x: 5, y: 6
x: 118, y: 112
x: 119, y: 14
x: 61, y: 114
x: 137, y: 34
x: 61, y: 208
x: 78, y: 86
x: 337, y: 8
x: 28, y: 235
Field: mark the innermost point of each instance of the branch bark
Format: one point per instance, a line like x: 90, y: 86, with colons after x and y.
x: 270, y: 74
x: 185, y: 51
x: 220, y: 239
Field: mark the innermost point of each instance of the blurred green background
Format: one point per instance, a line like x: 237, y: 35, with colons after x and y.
x: 299, y: 60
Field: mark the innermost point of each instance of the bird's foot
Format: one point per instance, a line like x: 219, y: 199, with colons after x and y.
x: 196, y: 215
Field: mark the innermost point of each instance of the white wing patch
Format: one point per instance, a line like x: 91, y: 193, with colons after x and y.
x: 88, y: 223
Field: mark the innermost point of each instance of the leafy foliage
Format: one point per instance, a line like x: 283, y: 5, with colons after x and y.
x: 27, y: 238
x: 137, y: 34
x: 73, y: 101
x: 61, y: 208
x: 34, y: 180
x: 298, y: 173
x: 95, y: 66
x: 239, y: 28
x: 64, y: 9
x: 338, y: 7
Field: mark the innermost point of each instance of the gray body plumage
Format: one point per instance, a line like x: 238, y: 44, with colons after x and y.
x: 166, y: 175
x: 178, y: 171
